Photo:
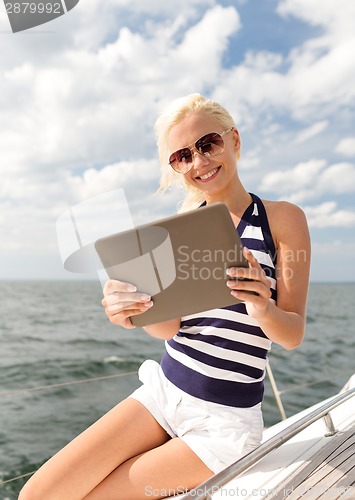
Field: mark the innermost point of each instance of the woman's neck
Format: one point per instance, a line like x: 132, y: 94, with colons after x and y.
x: 236, y: 198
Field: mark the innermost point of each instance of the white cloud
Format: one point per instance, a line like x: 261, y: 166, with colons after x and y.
x: 80, y: 122
x: 311, y: 179
x: 329, y: 215
x: 29, y: 210
x: 262, y: 61
x: 315, y: 79
x: 346, y: 146
x: 78, y: 105
x: 250, y: 160
x: 301, y: 177
x: 335, y: 15
x: 140, y: 174
x: 249, y: 89
x: 85, y: 103
x: 93, y: 24
x: 338, y: 178
x: 311, y: 131
x: 197, y: 60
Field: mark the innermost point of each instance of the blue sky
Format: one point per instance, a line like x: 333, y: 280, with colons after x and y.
x: 79, y: 97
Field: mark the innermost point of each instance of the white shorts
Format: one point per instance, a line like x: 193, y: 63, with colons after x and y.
x: 219, y: 435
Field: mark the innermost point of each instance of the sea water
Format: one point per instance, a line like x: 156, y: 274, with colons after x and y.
x: 56, y: 333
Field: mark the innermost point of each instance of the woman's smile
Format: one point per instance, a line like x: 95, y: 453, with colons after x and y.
x: 208, y: 176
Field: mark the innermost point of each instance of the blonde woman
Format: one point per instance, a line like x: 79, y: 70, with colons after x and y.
x: 200, y: 409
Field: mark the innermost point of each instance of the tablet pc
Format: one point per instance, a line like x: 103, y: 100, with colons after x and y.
x: 181, y: 261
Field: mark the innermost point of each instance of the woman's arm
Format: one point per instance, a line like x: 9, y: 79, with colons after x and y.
x: 284, y: 322
x: 165, y: 330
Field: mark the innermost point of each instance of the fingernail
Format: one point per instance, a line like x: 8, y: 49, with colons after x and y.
x: 131, y: 288
x: 144, y: 297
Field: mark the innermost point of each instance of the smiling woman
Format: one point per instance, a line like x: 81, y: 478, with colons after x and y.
x: 200, y: 409
x: 210, y: 145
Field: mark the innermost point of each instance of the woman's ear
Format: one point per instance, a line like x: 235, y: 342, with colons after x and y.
x: 236, y: 139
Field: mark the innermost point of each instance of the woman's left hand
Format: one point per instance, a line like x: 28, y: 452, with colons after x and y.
x: 245, y: 281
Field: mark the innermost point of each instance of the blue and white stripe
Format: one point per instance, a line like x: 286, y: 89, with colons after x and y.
x: 220, y: 355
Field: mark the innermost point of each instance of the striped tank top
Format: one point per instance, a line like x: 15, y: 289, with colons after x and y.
x: 220, y: 355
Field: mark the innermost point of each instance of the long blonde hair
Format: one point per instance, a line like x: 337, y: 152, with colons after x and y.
x: 174, y: 114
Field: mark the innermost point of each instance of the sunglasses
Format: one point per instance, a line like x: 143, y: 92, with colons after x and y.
x: 209, y: 145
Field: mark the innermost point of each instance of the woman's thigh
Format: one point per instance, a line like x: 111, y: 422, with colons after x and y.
x: 167, y: 470
x: 124, y: 432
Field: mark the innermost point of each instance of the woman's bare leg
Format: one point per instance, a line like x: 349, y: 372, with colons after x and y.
x: 126, y: 431
x: 169, y: 469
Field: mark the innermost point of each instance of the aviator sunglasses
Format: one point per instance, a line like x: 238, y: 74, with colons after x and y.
x: 209, y: 145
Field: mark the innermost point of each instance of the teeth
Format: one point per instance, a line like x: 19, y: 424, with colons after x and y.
x: 209, y: 174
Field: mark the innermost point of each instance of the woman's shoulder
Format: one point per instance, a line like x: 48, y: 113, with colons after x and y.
x: 284, y: 217
x: 279, y: 209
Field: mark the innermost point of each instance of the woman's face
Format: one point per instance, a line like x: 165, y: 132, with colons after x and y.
x: 209, y: 174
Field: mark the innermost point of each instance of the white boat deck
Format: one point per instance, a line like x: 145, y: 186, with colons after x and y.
x: 310, y: 465
x: 330, y: 473
x: 308, y: 456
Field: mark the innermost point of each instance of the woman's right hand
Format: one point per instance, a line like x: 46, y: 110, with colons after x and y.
x: 121, y: 300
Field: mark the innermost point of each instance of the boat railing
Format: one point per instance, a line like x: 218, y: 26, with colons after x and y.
x: 276, y: 392
x: 205, y: 490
